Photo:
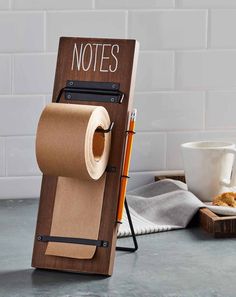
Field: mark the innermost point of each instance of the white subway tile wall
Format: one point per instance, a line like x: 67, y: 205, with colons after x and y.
x: 4, y: 4
x: 20, y: 156
x: 20, y: 187
x: 170, y: 110
x: 21, y: 32
x: 206, y: 69
x: 5, y: 74
x: 186, y: 80
x: 84, y: 23
x: 221, y: 22
x: 169, y: 29
x: 149, y: 151
x: 20, y: 114
x: 156, y: 71
x: 33, y: 74
x: 220, y: 112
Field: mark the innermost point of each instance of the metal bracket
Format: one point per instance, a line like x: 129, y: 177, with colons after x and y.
x: 92, y: 91
x: 84, y: 241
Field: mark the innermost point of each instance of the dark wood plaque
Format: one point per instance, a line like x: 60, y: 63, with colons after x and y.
x: 99, y: 60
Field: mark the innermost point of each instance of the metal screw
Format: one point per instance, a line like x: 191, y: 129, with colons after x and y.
x: 112, y: 99
x: 105, y: 244
x: 71, y: 83
x: 39, y: 238
x: 68, y: 96
x: 113, y: 86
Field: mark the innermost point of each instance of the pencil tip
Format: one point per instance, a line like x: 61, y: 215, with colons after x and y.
x: 134, y: 114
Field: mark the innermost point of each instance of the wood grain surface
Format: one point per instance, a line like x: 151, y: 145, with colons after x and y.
x: 218, y: 226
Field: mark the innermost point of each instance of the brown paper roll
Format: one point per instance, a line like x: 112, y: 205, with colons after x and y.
x: 66, y: 143
x: 68, y: 146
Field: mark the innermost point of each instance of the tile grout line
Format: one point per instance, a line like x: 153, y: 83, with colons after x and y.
x: 165, y: 152
x: 84, y: 10
x: 160, y: 91
x: 93, y: 5
x: 12, y: 74
x: 44, y: 31
x: 5, y: 156
x: 175, y: 72
x: 204, y: 110
x: 155, y: 51
x: 175, y: 4
x: 21, y: 176
x: 6, y: 159
x: 126, y: 23
x: 41, y: 53
x: 208, y: 28
x: 45, y: 100
x: 18, y: 136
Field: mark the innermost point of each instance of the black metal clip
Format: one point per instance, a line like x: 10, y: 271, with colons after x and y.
x: 106, y: 130
x: 130, y: 132
x: 125, y: 176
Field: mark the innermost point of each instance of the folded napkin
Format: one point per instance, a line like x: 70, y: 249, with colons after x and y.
x: 162, y: 206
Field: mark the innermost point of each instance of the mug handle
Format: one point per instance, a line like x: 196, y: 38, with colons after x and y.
x: 232, y: 181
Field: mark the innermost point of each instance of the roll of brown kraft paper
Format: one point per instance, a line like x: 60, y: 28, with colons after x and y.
x: 68, y: 145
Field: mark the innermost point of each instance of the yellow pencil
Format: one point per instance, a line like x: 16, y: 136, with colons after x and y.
x: 124, y: 177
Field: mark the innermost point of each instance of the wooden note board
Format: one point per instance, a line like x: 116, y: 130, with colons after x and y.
x: 99, y: 60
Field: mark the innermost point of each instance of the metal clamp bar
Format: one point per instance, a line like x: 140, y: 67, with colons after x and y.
x: 101, y: 85
x: 84, y: 241
x: 92, y: 91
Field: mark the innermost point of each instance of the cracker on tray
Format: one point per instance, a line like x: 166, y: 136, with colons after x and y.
x: 225, y: 199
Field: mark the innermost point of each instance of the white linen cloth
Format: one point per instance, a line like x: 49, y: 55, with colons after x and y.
x: 162, y: 206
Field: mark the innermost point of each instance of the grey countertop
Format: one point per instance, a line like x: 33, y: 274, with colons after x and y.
x: 183, y: 263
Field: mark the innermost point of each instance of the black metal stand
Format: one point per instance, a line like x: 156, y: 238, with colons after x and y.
x: 129, y: 249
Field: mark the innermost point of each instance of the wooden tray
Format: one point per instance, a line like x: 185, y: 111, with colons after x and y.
x: 218, y: 226
x: 171, y: 176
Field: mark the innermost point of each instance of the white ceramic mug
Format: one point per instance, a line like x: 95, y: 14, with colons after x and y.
x: 210, y: 167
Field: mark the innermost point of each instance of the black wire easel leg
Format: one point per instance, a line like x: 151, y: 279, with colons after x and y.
x: 128, y: 249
